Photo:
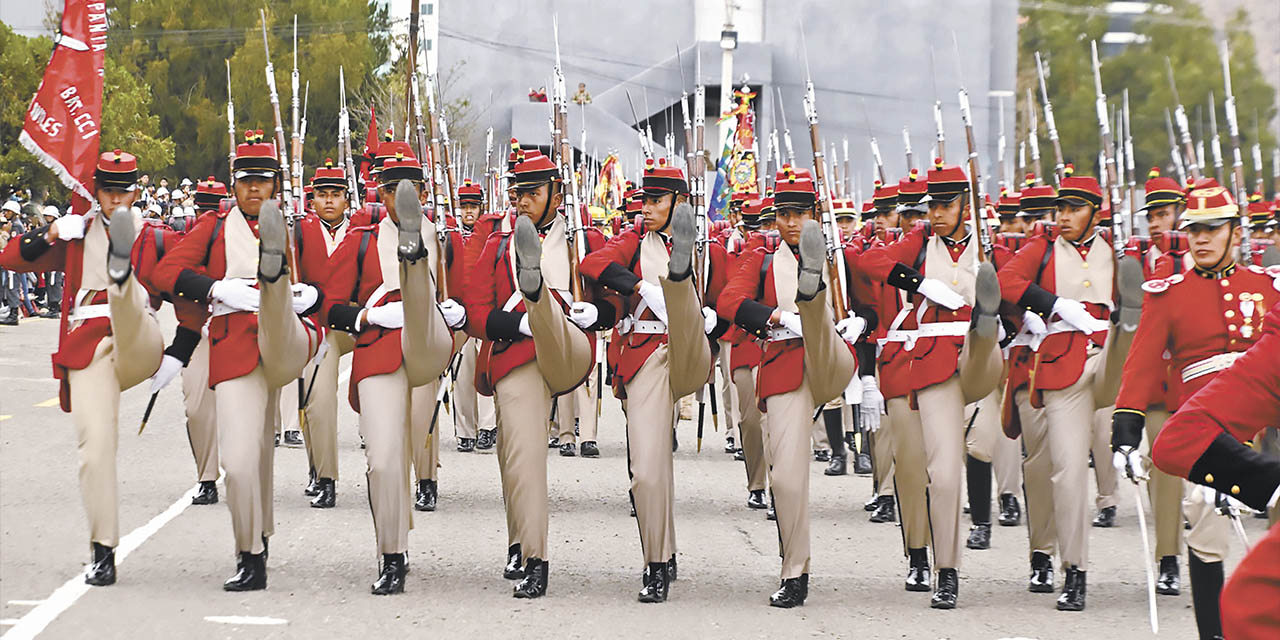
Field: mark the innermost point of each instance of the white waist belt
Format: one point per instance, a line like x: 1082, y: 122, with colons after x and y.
x: 89, y: 312
x: 647, y: 326
x: 958, y: 328
x: 777, y: 334
x: 1212, y: 364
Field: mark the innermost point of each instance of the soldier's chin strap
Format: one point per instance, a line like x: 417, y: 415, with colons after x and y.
x: 542, y: 223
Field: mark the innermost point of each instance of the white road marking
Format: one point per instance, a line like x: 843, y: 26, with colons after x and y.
x: 51, y: 402
x: 245, y: 620
x: 30, y: 625
x: 8, y: 621
x: 26, y: 603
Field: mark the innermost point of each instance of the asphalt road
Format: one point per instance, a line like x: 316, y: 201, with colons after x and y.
x: 322, y: 561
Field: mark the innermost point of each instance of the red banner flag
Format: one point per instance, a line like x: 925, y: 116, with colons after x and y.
x: 63, y: 122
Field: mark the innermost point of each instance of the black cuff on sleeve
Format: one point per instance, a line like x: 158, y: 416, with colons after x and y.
x: 868, y: 314
x: 722, y: 326
x: 1238, y: 471
x: 193, y: 286
x: 754, y: 317
x: 503, y: 325
x: 1126, y: 428
x: 606, y: 316
x: 184, y: 344
x: 1037, y: 300
x: 619, y: 278
x: 317, y: 304
x: 905, y: 278
x: 1010, y: 332
x: 866, y: 352
x: 33, y: 244
x: 343, y: 317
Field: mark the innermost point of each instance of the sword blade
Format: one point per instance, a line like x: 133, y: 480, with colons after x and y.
x: 1147, y: 561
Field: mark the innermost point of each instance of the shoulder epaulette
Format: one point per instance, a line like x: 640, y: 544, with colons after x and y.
x: 1161, y: 285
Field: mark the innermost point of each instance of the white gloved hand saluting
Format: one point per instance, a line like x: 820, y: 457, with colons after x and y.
x: 169, y: 369
x: 652, y: 295
x: 872, y: 405
x: 455, y: 315
x: 236, y: 293
x: 1073, y: 313
x: 709, y: 320
x: 583, y: 314
x: 387, y: 316
x: 304, y: 297
x: 940, y: 294
x: 69, y: 227
x: 790, y: 321
x: 851, y: 328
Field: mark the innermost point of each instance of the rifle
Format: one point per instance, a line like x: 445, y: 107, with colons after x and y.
x: 1215, y: 139
x: 444, y: 183
x: 786, y: 130
x: 1237, y: 162
x: 1059, y: 169
x: 976, y: 191
x: 575, y: 235
x: 906, y: 145
x: 1174, y: 153
x: 939, y: 129
x: 344, y: 142
x: 487, y: 181
x: 837, y: 182
x: 231, y: 127
x: 295, y: 133
x: 1001, y: 168
x: 1184, y: 127
x: 644, y: 140
x: 1128, y: 163
x: 1033, y: 137
x: 848, y: 175
x: 830, y: 232
x: 1258, y: 186
x: 287, y: 192
x: 875, y: 146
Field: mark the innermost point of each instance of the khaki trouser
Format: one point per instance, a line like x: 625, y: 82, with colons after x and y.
x: 818, y: 433
x: 941, y: 423
x: 1007, y: 464
x: 983, y: 434
x: 882, y: 467
x: 1104, y: 473
x: 910, y: 472
x: 386, y: 404
x: 577, y: 407
x: 121, y: 360
x: 1065, y: 434
x: 1165, y: 492
x: 671, y: 372
x: 752, y: 441
x: 1037, y: 473
x: 472, y: 411
x: 828, y: 367
x: 247, y: 410
x: 425, y: 340
x: 202, y: 419
x: 730, y: 411
x: 321, y: 428
x: 424, y: 442
x: 522, y: 402
x: 1210, y: 534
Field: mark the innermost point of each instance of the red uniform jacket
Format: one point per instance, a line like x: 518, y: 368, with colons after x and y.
x: 616, y: 266
x: 746, y: 350
x: 354, y: 275
x: 489, y: 285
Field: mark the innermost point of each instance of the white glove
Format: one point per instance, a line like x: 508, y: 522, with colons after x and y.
x: 624, y: 325
x: 389, y: 316
x: 304, y: 297
x: 872, y: 405
x: 320, y: 351
x: 652, y: 295
x: 1073, y: 313
x: 70, y: 227
x: 169, y: 369
x: 236, y: 293
x: 709, y: 320
x: 524, y: 325
x: 1223, y: 502
x: 1128, y: 462
x: 789, y: 320
x: 940, y: 294
x: 455, y: 315
x: 583, y: 314
x: 851, y: 328
x: 1033, y: 324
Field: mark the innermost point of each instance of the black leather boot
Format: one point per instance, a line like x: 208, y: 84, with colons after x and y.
x: 729, y: 446
x: 1073, y: 592
x: 391, y: 577
x: 1041, y: 580
x: 948, y: 589
x: 1010, y: 510
x: 656, y: 585
x: 822, y: 455
x: 791, y: 593
x: 293, y: 438
x: 671, y: 569
x: 884, y: 510
x: 979, y: 536
x: 513, y: 569
x: 486, y: 439
x: 534, y: 584
x: 1106, y: 518
x: 313, y: 484
x: 862, y: 464
x: 466, y: 445
x: 328, y: 495
x: 772, y: 514
x: 206, y: 494
x: 1168, y: 583
x: 590, y: 449
x: 102, y: 571
x: 251, y: 573
x: 755, y: 500
x: 1206, y: 589
x: 426, y: 500
x: 918, y: 570
x: 978, y: 481
x: 838, y: 465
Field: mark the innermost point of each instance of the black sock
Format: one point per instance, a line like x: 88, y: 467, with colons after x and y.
x: 1206, y: 588
x: 979, y: 481
x: 835, y: 430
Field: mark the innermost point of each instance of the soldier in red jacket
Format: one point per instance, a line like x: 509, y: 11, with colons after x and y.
x: 1206, y: 442
x: 1205, y: 320
x: 808, y: 360
x: 666, y: 354
x: 954, y: 357
x: 108, y: 338
x: 382, y: 290
x: 1070, y: 286
x: 474, y: 423
x: 236, y: 261
x: 744, y: 361
x: 538, y: 345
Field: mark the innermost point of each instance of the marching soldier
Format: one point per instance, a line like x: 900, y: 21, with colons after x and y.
x: 1070, y: 285
x: 953, y: 355
x: 538, y: 345
x: 1205, y: 319
x: 236, y: 261
x: 808, y: 359
x: 108, y: 338
x: 744, y: 362
x: 474, y: 420
x: 666, y: 355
